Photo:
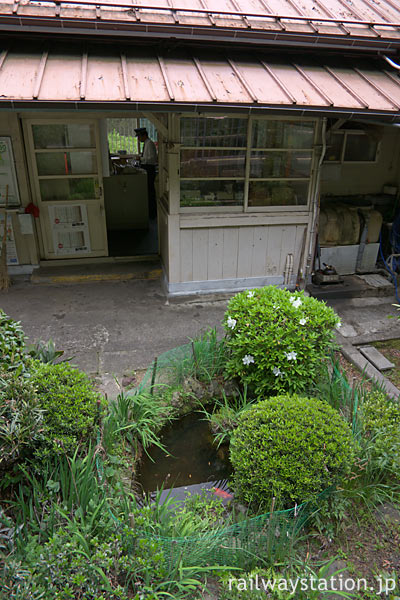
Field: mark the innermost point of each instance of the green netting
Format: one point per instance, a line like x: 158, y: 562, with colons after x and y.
x: 269, y: 536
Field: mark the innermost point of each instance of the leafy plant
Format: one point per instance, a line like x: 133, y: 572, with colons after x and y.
x: 71, y: 407
x: 21, y: 419
x: 134, y: 421
x: 46, y: 353
x: 203, y: 359
x: 12, y: 344
x: 290, y: 448
x: 276, y: 340
x: 226, y: 413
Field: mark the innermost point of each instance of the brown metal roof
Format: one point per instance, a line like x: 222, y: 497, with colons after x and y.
x: 110, y: 76
x: 347, y: 22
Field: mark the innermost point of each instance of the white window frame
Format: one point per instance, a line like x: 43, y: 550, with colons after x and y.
x: 342, y: 161
x: 245, y: 208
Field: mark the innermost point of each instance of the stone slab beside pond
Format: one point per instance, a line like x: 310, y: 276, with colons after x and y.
x: 376, y: 358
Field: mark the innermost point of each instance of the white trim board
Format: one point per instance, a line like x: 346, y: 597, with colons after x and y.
x: 223, y: 285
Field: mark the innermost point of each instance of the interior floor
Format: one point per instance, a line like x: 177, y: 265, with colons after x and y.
x: 133, y: 242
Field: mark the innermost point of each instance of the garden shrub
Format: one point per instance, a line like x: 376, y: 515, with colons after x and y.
x: 290, y: 448
x: 277, y: 340
x: 120, y: 567
x: 20, y: 418
x: 380, y: 425
x: 71, y: 407
x: 12, y: 343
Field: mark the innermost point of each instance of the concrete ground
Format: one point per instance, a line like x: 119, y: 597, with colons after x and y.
x: 109, y: 328
x: 113, y: 328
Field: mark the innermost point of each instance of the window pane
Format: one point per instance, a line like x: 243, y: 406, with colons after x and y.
x: 212, y: 163
x: 212, y: 193
x: 213, y: 131
x: 334, y: 145
x: 66, y: 163
x: 68, y: 189
x: 360, y: 148
x: 282, y: 134
x: 68, y: 135
x: 280, y: 164
x: 282, y: 193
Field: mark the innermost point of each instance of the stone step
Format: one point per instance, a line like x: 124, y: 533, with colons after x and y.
x: 376, y: 358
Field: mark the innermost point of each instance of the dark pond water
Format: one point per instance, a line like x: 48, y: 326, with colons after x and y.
x: 194, y: 458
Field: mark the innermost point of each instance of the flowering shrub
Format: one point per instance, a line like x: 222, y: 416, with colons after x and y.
x: 277, y: 340
x: 290, y: 448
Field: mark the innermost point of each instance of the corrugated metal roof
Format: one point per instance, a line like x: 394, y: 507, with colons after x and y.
x: 368, y: 20
x: 130, y: 76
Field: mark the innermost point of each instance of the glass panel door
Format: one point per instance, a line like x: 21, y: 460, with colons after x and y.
x: 66, y: 169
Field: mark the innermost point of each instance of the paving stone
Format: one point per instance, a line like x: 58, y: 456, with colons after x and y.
x: 347, y: 330
x: 376, y: 358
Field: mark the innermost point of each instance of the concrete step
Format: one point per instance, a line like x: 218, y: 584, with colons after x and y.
x: 107, y: 271
x: 376, y: 358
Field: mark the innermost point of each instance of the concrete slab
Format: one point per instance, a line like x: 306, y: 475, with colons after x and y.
x: 109, y: 328
x: 376, y: 358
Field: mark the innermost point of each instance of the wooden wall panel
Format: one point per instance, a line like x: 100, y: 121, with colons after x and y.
x: 217, y: 253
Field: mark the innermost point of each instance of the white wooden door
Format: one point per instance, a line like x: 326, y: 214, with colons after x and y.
x: 65, y: 165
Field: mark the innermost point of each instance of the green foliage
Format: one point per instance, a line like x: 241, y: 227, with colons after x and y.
x: 203, y: 360
x: 276, y: 340
x: 290, y: 448
x: 376, y: 472
x: 12, y: 344
x: 134, y: 422
x: 68, y: 566
x: 226, y: 413
x: 21, y: 418
x: 46, y: 353
x: 71, y: 407
x: 299, y: 581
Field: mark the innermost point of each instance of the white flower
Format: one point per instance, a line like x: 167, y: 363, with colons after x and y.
x: 291, y: 355
x: 338, y: 325
x: 248, y: 359
x: 276, y: 371
x: 231, y: 322
x: 303, y: 321
x: 296, y: 302
x: 250, y: 294
x: 275, y: 306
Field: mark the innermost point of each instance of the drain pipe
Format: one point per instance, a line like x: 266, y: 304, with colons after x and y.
x: 287, y: 273
x: 315, y: 207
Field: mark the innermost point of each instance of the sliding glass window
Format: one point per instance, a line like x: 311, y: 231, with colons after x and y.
x: 227, y: 161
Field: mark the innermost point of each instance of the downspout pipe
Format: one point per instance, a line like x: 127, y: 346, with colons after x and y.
x: 315, y: 207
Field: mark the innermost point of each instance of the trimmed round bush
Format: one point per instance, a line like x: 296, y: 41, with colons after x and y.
x: 70, y: 404
x: 290, y: 448
x: 277, y: 340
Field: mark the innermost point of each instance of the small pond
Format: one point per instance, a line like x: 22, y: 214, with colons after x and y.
x: 194, y: 458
